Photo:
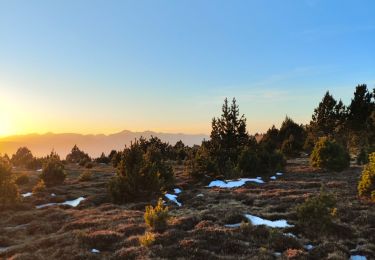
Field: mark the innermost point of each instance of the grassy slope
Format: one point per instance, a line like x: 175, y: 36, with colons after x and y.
x: 196, y: 229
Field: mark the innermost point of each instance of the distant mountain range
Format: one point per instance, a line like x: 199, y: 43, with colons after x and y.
x: 94, y: 145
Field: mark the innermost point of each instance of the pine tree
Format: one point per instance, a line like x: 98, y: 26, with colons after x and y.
x: 360, y: 108
x: 361, y: 113
x: 324, y: 117
x: 22, y: 157
x: 228, y: 136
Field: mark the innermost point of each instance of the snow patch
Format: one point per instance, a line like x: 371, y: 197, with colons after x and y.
x: 72, y: 203
x: 358, y: 257
x: 177, y: 191
x: 235, y: 183
x: 277, y: 254
x: 308, y: 247
x: 39, y: 170
x: 200, y: 195
x: 46, y: 205
x: 290, y: 235
x: 53, y: 195
x: 273, y: 177
x: 3, y: 249
x: 233, y: 225
x: 256, y: 221
x: 279, y: 173
x: 95, y: 251
x: 173, y: 198
x: 27, y: 194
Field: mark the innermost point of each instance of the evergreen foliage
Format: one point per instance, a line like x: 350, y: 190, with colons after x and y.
x: 22, y: 157
x: 232, y: 152
x: 157, y: 217
x: 103, y: 159
x: 39, y: 188
x: 140, y: 173
x: 78, y: 156
x: 366, y: 185
x: 315, y: 215
x: 53, y: 170
x: 329, y: 155
x: 8, y: 189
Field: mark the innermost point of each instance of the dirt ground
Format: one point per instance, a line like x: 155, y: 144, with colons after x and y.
x: 197, y: 229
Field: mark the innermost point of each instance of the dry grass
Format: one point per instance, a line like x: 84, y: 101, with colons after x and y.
x: 195, y: 230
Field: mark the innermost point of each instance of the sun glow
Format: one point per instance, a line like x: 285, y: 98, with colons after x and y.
x: 5, y: 125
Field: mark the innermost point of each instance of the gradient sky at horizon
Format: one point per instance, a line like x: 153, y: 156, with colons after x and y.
x: 103, y: 66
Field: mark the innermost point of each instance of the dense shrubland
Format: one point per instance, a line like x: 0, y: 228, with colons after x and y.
x: 8, y: 189
x: 289, y: 139
x: 353, y: 126
x: 232, y: 152
x: 142, y: 171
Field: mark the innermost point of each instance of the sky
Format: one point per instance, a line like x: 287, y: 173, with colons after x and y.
x: 89, y: 66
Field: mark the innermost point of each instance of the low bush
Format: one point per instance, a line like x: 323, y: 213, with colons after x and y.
x: 147, y: 239
x: 85, y: 176
x: 253, y: 162
x: 315, y: 215
x: 78, y: 156
x: 40, y: 187
x: 22, y: 179
x: 281, y: 242
x: 157, y: 217
x: 290, y: 147
x: 366, y: 185
x: 100, y: 239
x: 8, y: 189
x: 35, y: 164
x: 89, y: 165
x: 53, y: 171
x: 140, y: 174
x: 200, y: 163
x: 329, y: 155
x: 362, y: 157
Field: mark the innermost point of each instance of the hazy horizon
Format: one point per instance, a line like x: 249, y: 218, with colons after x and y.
x: 92, y: 67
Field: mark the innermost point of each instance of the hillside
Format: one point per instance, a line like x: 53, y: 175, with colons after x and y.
x: 94, y: 145
x: 204, y: 226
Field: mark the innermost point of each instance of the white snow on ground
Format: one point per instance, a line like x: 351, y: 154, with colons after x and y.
x: 3, y: 249
x: 277, y: 254
x: 290, y: 235
x: 279, y: 173
x: 200, y: 195
x: 273, y: 177
x: 173, y: 198
x: 73, y: 203
x: 27, y: 194
x: 53, y: 195
x: 95, y: 251
x: 233, y: 225
x: 256, y: 221
x: 177, y: 191
x: 308, y: 247
x: 358, y: 257
x: 39, y: 170
x: 234, y: 184
x: 46, y: 205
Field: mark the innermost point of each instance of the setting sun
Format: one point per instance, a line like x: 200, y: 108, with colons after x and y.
x: 187, y: 129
